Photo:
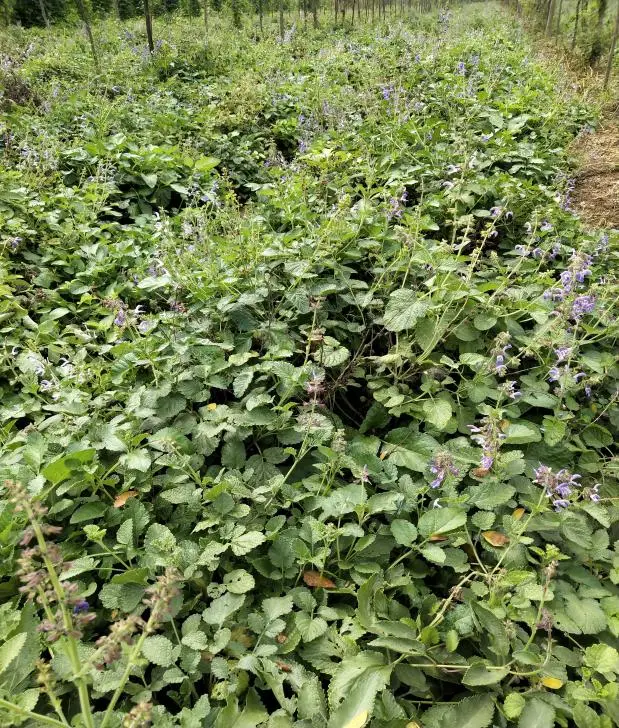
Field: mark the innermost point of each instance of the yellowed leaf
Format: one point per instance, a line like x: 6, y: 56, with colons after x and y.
x: 480, y: 472
x: 495, y: 538
x: 437, y: 537
x: 413, y: 724
x: 518, y: 514
x: 358, y: 721
x: 313, y: 578
x: 552, y: 682
x: 212, y: 406
x: 121, y: 499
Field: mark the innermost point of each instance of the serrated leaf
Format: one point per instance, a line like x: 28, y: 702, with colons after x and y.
x: 437, y: 412
x: 474, y: 712
x: 513, y: 705
x: 403, y: 310
x: 441, y: 520
x: 159, y: 650
x: 11, y: 650
x: 404, y: 532
x: 481, y: 675
x: 537, y: 714
x: 239, y: 581
x: 520, y: 433
x: 246, y: 542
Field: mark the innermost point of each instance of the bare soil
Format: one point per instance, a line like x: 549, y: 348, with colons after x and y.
x: 596, y: 192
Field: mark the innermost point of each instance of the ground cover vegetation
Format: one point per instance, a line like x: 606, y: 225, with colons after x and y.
x: 307, y: 382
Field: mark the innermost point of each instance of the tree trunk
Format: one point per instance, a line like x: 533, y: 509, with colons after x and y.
x: 260, y: 16
x: 315, y: 12
x: 576, y: 20
x: 281, y: 20
x: 551, y: 12
x: 81, y: 9
x: 596, y: 46
x: 149, y: 26
x: 205, y: 20
x: 559, y: 9
x: 116, y: 9
x: 44, y: 13
x: 611, y: 53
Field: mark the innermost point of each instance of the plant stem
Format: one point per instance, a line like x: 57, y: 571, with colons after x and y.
x: 71, y: 643
x: 29, y: 714
x: 125, y: 676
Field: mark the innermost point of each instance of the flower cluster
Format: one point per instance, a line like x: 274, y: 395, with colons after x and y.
x: 559, y: 486
x: 489, y: 437
x: 38, y: 566
x: 500, y: 355
x: 441, y: 466
x: 109, y: 646
x: 315, y: 387
x: 396, y: 206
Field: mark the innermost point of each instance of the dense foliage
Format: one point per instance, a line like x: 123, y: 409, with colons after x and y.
x: 308, y: 388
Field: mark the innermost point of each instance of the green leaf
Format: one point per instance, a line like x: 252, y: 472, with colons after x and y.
x: 11, y: 649
x: 403, y: 310
x: 220, y: 609
x: 245, y: 543
x: 441, y: 520
x: 474, y: 712
x: 311, y: 699
x: 484, y: 321
x: 404, y: 532
x: 520, y: 433
x: 361, y: 697
x: 88, y: 511
x: 150, y: 179
x: 554, y: 430
x: 159, y: 650
x: 434, y: 553
x: 239, y: 581
x: 63, y: 468
x: 537, y: 714
x: 309, y: 628
x: 136, y: 460
x: 513, y: 705
x: 480, y: 675
x: 490, y: 623
x: 437, y: 412
x: 275, y: 607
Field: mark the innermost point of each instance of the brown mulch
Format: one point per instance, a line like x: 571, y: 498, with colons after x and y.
x: 596, y: 193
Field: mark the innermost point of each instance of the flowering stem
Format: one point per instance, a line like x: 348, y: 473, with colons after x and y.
x: 37, y: 717
x: 133, y: 655
x: 71, y: 644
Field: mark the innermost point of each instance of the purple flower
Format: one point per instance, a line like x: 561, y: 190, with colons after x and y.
x: 538, y: 253
x: 441, y: 466
x: 558, y: 486
x: 588, y: 391
x: 510, y: 390
x: 486, y: 461
x: 582, y: 305
x: 461, y: 68
x: 81, y: 606
x: 594, y: 493
x: 562, y: 353
x: 545, y: 226
x: 121, y: 317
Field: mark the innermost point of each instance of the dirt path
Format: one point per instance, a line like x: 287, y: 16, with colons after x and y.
x: 596, y: 193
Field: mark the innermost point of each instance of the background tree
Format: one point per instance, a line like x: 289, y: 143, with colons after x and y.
x: 149, y: 25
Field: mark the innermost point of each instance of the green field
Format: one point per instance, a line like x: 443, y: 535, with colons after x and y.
x: 308, y: 386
